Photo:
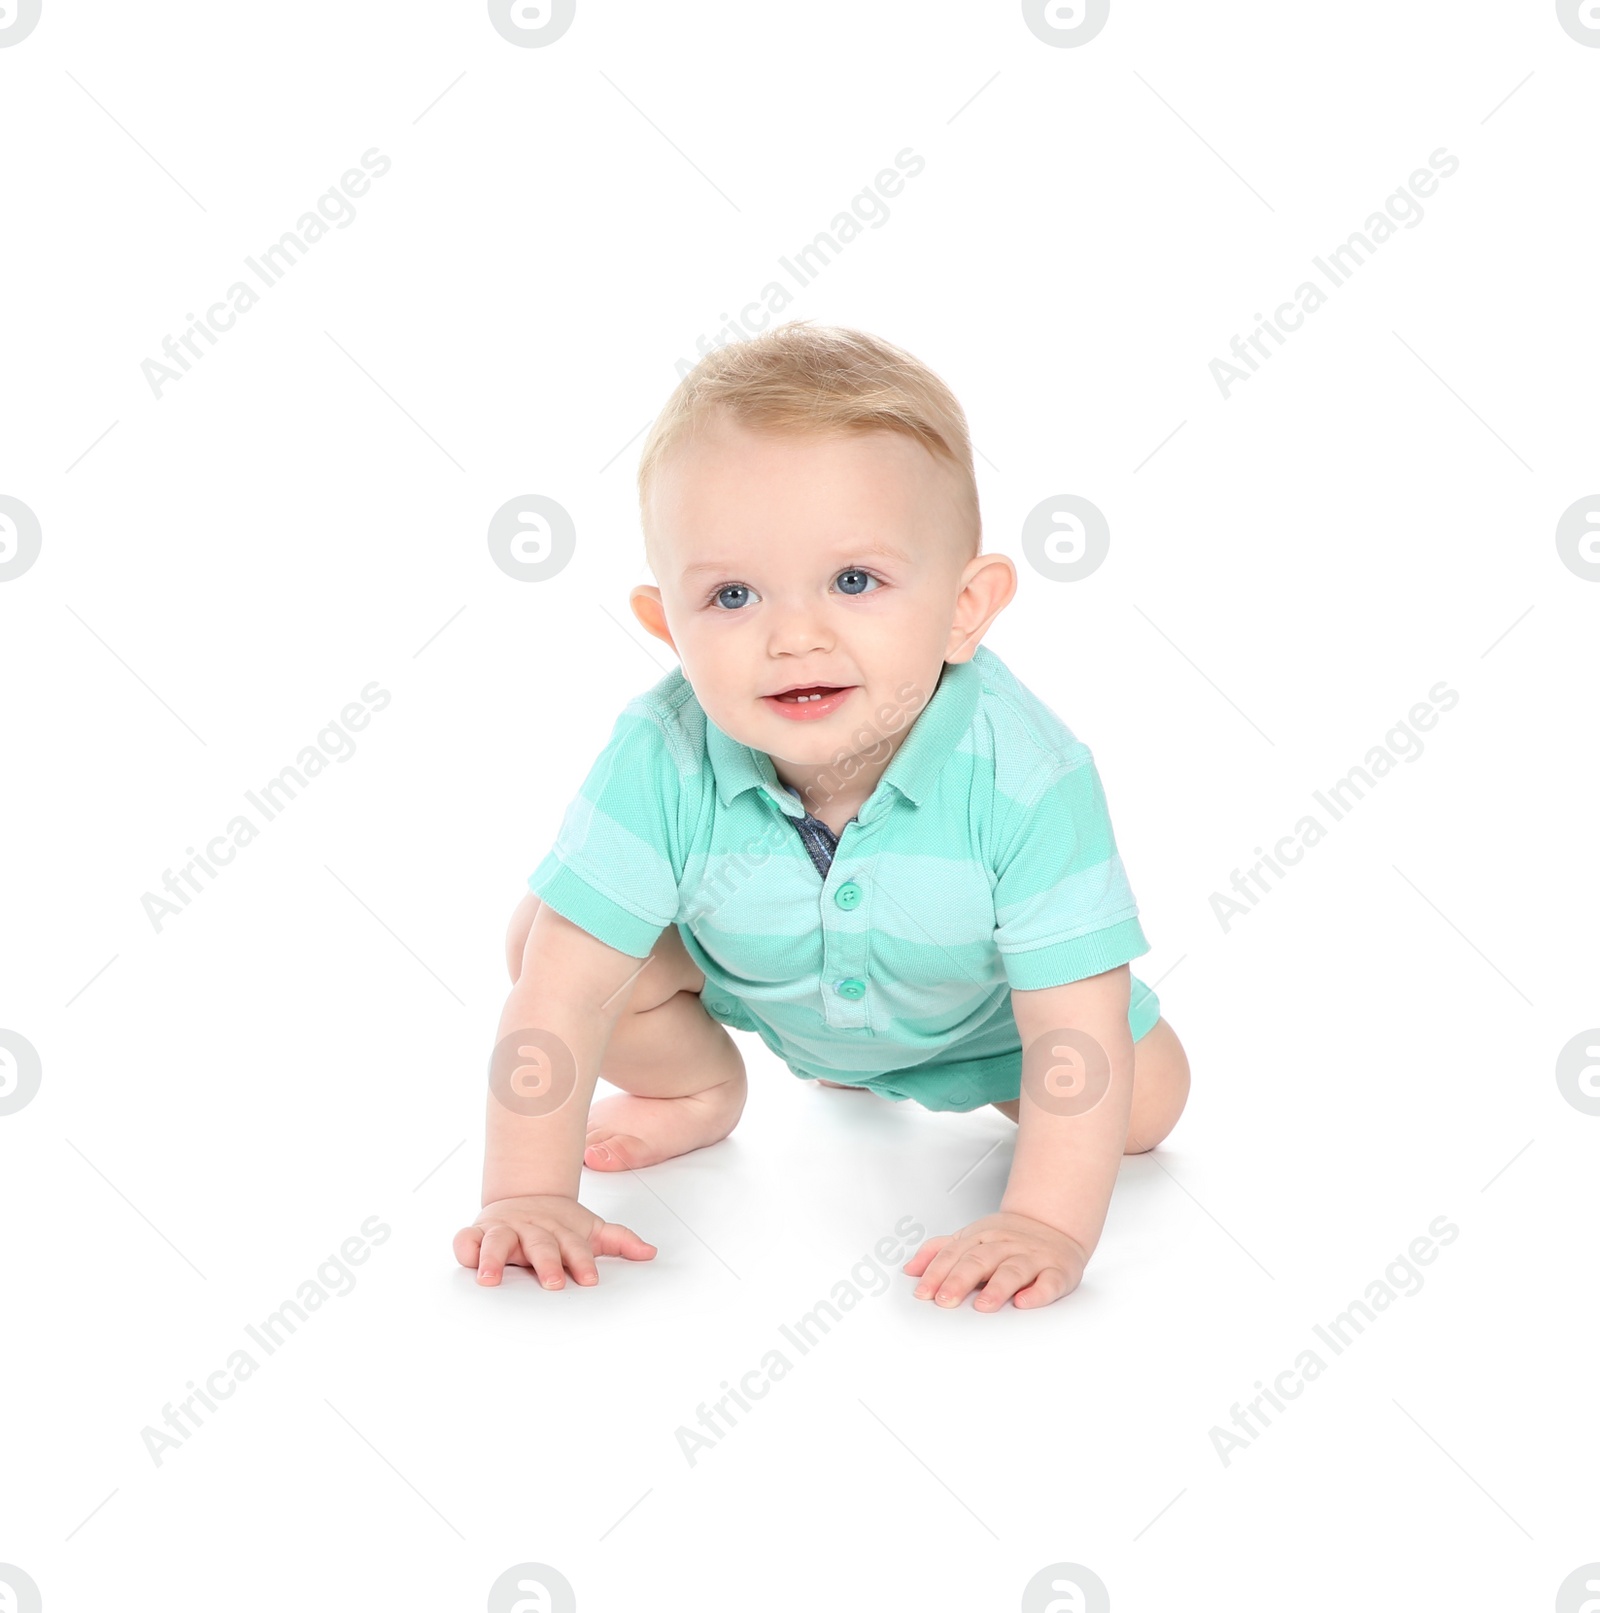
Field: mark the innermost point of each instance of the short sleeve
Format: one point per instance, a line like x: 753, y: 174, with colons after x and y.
x: 1063, y: 906
x: 613, y: 869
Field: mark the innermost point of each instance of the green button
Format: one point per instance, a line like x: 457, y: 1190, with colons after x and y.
x: 848, y: 894
x: 851, y: 988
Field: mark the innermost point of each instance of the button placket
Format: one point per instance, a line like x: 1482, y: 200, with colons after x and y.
x: 845, y: 980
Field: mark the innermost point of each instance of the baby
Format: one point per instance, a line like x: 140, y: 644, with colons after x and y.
x: 842, y: 825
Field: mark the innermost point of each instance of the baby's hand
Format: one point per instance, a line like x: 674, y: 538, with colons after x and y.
x: 544, y: 1231
x: 1018, y: 1255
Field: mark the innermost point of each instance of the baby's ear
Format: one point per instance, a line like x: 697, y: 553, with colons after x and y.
x: 989, y: 585
x: 645, y: 601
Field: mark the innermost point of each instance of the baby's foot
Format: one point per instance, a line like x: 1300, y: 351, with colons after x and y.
x: 843, y: 1086
x: 626, y: 1131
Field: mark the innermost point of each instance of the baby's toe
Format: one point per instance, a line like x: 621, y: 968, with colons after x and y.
x: 613, y: 1152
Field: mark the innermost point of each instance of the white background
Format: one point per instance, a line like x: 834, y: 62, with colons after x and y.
x: 223, y: 569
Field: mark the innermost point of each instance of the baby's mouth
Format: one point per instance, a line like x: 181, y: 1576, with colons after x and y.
x: 812, y: 691
x: 810, y: 702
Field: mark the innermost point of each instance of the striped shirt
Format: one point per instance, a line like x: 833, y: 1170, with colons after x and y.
x: 983, y: 862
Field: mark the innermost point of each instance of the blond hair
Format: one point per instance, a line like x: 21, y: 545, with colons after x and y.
x: 805, y: 378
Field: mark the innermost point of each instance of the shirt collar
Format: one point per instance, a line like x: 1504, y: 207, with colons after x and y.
x: 936, y: 730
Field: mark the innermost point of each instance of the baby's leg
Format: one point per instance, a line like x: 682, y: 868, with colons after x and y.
x: 682, y: 1076
x: 1160, y: 1088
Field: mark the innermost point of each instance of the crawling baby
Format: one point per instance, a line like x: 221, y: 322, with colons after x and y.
x: 840, y: 824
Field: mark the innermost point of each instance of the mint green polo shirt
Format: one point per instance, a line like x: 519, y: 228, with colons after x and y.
x: 983, y: 862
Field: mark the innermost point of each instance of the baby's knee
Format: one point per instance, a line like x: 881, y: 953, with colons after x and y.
x: 1161, y: 1087
x: 517, y: 934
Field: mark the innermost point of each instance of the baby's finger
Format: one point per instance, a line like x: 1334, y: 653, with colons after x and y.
x: 915, y: 1266
x: 612, y: 1238
x: 575, y: 1251
x: 1045, y: 1289
x: 938, y: 1268
x: 466, y: 1244
x: 1009, y: 1276
x: 544, y: 1255
x: 498, y: 1246
x: 967, y: 1272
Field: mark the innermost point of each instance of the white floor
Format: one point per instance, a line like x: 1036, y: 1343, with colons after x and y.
x: 417, y: 1436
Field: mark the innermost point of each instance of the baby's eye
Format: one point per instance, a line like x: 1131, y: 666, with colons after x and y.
x: 741, y: 595
x: 855, y: 581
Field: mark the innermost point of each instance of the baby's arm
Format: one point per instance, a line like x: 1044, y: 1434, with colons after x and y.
x: 1072, y: 1119
x: 560, y: 1013
x: 1073, y: 1114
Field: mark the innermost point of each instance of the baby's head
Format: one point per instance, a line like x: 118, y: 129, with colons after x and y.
x: 811, y: 517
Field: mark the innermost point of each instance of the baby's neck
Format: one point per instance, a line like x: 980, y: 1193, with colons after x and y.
x: 836, y: 814
x: 836, y: 793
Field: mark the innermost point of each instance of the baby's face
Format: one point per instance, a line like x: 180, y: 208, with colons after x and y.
x: 834, y: 561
